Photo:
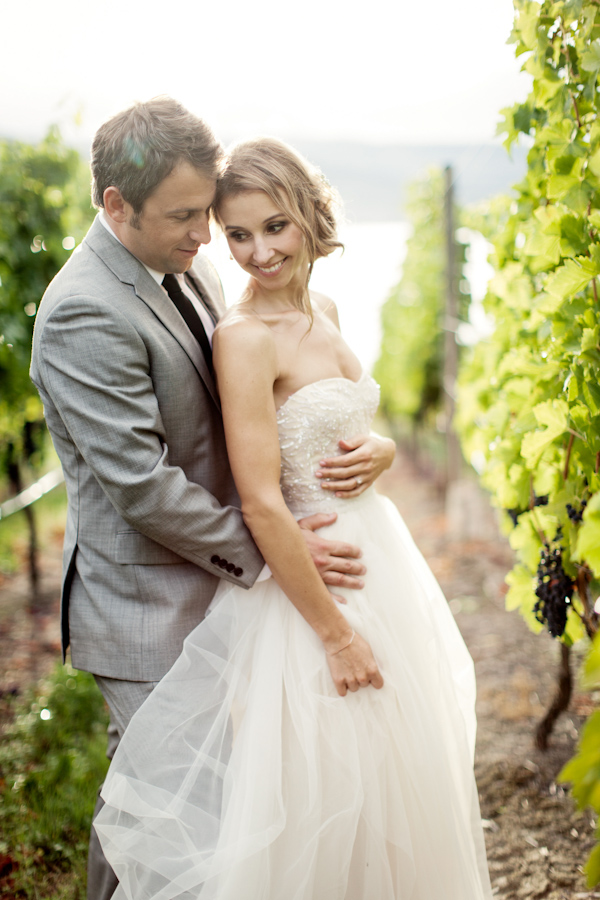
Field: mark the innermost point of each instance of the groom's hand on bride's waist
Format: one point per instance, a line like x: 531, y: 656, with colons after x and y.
x: 338, y: 563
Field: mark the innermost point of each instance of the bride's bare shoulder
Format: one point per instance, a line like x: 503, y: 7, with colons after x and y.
x: 325, y: 305
x: 239, y: 318
x: 242, y: 332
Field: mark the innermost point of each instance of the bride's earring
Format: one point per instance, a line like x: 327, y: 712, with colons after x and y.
x: 230, y: 256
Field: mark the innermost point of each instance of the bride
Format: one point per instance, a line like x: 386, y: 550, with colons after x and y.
x: 303, y: 747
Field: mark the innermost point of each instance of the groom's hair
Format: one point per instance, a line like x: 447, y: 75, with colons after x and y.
x: 136, y: 149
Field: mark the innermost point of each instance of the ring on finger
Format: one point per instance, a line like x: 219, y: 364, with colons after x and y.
x: 358, y: 479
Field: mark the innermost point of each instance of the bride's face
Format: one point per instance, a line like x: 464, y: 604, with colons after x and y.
x: 263, y: 240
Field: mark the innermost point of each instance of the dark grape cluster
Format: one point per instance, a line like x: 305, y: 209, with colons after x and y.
x: 554, y: 590
x: 514, y: 515
x: 537, y: 501
x: 574, y: 514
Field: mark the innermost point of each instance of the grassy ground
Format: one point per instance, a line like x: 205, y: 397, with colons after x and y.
x: 51, y: 762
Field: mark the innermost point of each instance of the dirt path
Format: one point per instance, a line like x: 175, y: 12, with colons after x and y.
x: 29, y: 644
x: 537, y: 841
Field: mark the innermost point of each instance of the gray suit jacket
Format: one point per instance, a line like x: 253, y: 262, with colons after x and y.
x: 153, y: 519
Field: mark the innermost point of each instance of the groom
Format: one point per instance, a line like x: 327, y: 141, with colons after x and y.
x: 122, y: 364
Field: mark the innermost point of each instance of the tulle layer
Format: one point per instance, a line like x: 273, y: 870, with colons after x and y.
x: 246, y: 777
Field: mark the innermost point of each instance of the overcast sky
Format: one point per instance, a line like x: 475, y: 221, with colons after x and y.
x: 424, y: 71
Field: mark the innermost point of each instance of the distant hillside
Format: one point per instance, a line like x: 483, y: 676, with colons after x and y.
x: 373, y: 179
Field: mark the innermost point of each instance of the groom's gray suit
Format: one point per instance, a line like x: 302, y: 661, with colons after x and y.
x: 153, y: 519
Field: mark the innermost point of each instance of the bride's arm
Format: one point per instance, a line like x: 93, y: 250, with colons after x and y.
x: 246, y: 367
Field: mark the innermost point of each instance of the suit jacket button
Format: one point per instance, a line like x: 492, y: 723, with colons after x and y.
x: 237, y: 572
x: 215, y: 560
x: 223, y: 563
x: 230, y: 567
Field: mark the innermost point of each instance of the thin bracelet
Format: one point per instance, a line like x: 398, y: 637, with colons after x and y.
x: 345, y: 645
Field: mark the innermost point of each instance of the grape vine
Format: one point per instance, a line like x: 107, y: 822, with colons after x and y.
x: 529, y: 405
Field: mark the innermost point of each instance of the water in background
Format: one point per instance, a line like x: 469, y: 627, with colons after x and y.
x: 358, y: 281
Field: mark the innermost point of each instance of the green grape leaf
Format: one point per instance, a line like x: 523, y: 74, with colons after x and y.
x: 574, y: 630
x: 528, y: 24
x: 521, y: 595
x: 580, y: 416
x: 594, y: 165
x: 590, y: 58
x: 573, y: 390
x: 592, y: 867
x: 554, y: 415
x: 560, y: 185
x: 559, y: 139
x: 574, y: 235
x: 548, y: 86
x: 591, y: 672
x: 571, y: 278
x: 590, y: 338
x: 591, y: 394
x: 588, y: 542
x: 546, y: 246
x: 526, y: 541
x: 584, y: 769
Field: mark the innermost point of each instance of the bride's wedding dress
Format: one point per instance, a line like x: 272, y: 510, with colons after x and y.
x: 245, y: 776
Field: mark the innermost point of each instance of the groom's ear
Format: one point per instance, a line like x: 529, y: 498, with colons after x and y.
x: 114, y: 204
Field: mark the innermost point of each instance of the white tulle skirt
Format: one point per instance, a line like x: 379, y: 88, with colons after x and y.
x: 245, y: 776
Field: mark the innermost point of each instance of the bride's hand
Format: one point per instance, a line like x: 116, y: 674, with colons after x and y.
x: 353, y: 666
x: 366, y: 456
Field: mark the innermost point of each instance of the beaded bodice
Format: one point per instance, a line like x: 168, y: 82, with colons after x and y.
x: 310, y: 423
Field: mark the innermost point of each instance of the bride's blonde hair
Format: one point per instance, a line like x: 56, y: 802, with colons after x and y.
x: 295, y: 186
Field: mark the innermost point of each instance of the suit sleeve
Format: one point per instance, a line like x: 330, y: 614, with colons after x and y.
x: 96, y: 371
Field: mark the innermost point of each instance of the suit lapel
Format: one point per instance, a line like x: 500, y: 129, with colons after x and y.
x: 199, y: 289
x: 161, y: 305
x: 130, y: 271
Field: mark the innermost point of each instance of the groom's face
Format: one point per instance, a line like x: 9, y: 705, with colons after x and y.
x: 173, y: 223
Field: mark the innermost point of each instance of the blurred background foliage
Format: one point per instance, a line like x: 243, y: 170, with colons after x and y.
x: 410, y: 366
x: 45, y: 210
x: 52, y: 759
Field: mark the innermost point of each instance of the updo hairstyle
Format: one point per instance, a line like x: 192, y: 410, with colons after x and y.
x: 298, y: 188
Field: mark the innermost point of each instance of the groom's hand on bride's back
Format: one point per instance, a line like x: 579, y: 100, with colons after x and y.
x: 338, y: 563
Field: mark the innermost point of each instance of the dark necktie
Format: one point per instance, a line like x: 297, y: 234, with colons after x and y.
x: 189, y: 315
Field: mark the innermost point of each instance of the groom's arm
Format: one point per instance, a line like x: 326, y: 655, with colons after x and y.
x: 95, y: 368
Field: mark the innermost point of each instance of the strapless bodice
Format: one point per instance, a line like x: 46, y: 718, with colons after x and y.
x: 310, y: 423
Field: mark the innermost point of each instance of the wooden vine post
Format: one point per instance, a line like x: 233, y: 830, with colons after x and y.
x: 450, y: 369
